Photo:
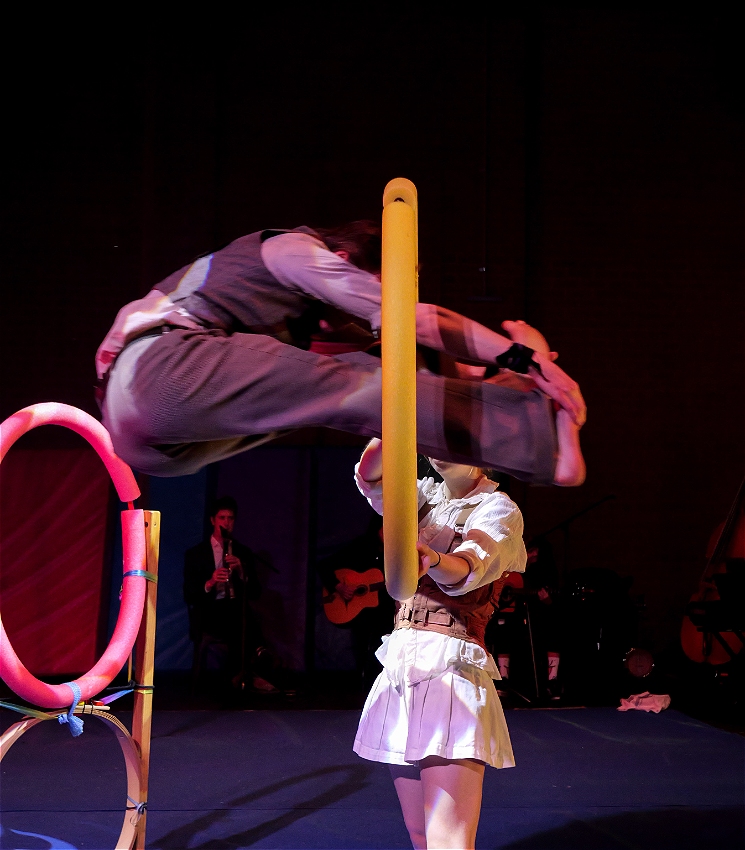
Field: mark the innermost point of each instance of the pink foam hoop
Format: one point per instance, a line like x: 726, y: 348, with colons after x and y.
x: 12, y: 670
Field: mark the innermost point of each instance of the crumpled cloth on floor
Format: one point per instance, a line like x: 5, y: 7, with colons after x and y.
x: 645, y: 702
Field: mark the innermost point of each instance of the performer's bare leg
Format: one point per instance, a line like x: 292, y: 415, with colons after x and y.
x: 408, y: 785
x: 441, y: 801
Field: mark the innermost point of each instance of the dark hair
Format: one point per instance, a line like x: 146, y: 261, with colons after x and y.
x: 224, y: 503
x: 361, y: 239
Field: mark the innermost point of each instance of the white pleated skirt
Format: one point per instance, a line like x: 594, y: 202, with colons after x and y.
x: 434, y: 697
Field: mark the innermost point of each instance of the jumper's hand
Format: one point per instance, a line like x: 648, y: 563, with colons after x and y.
x: 560, y: 387
x: 556, y: 383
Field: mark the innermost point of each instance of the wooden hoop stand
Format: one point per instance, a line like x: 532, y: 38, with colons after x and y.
x: 135, y: 746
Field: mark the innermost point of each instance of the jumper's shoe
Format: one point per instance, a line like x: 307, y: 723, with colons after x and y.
x: 261, y: 686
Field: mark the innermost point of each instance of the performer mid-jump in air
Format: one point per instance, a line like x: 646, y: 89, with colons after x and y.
x: 216, y: 355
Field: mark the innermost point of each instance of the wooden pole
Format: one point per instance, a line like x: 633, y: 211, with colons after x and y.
x: 144, y: 666
x: 398, y: 348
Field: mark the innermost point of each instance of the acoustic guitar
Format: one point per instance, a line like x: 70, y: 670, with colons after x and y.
x: 366, y: 586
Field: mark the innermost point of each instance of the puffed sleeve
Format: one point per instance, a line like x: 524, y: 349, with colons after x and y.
x: 373, y: 490
x: 492, y: 543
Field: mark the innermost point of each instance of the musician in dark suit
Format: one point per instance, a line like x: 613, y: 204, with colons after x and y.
x: 219, y: 580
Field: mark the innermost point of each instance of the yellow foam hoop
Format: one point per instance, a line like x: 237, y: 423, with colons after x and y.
x: 399, y: 280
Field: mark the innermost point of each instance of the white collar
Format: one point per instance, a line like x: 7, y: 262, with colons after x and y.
x: 484, y: 486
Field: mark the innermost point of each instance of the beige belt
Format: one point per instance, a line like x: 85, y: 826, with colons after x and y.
x: 436, y: 618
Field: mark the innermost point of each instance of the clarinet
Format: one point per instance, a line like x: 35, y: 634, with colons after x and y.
x: 227, y: 549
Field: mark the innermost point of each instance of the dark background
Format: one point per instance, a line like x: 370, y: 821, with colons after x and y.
x: 581, y: 169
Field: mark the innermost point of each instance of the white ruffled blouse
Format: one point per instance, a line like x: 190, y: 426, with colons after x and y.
x: 492, y: 535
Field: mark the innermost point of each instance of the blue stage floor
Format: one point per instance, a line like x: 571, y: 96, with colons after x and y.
x: 594, y: 779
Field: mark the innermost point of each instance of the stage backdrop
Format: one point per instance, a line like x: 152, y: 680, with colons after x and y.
x: 53, y: 583
x: 181, y: 502
x: 296, y: 505
x: 580, y: 168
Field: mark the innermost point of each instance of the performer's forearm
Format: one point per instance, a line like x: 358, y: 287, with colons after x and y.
x: 451, y: 570
x: 462, y: 338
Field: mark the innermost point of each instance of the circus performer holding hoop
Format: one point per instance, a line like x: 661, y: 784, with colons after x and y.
x: 433, y: 714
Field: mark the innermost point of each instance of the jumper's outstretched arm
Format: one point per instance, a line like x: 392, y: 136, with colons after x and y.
x: 464, y: 339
